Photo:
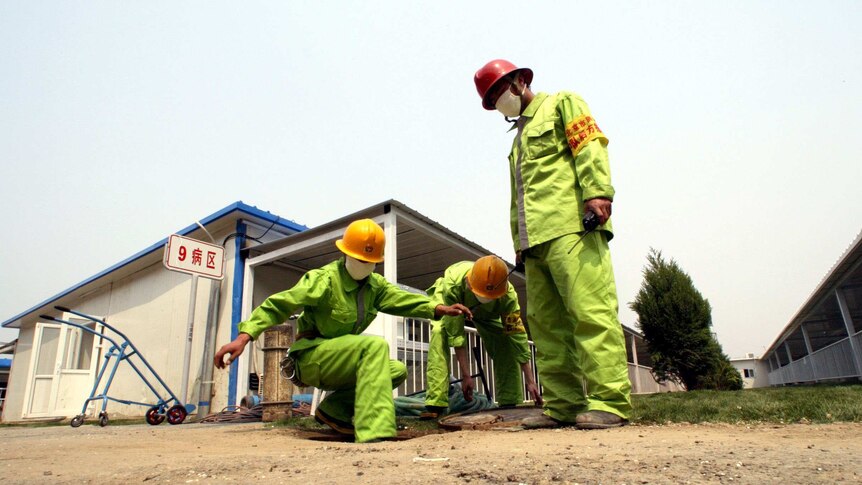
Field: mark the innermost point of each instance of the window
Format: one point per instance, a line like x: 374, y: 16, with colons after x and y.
x: 79, y: 348
x: 748, y: 373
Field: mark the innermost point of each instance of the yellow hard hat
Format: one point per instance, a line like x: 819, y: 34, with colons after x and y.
x: 488, y: 277
x: 363, y: 240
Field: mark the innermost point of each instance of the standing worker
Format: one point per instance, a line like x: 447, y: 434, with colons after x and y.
x: 484, y: 287
x: 339, y: 301
x: 559, y: 175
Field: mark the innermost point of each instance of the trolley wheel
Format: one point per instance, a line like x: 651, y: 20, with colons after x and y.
x: 154, y: 417
x: 77, y: 420
x: 103, y: 419
x: 176, y: 414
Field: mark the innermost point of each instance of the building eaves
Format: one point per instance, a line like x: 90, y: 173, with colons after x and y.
x: 842, y: 267
x: 368, y: 213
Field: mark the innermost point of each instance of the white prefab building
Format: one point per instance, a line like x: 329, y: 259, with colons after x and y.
x: 55, y: 365
x: 754, y: 372
x: 823, y: 341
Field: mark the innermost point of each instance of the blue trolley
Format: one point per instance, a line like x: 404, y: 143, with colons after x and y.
x: 122, y: 349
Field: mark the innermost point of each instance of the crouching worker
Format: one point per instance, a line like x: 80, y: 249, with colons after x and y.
x: 484, y: 287
x: 339, y: 301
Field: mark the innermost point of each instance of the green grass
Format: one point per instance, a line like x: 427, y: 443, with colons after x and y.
x: 814, y: 404
x: 36, y: 424
x: 88, y: 422
x: 417, y: 424
x: 306, y: 423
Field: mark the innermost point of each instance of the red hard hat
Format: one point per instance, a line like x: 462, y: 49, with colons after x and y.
x: 492, y: 72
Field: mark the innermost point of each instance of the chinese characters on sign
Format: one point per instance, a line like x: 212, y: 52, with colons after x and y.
x: 194, y: 257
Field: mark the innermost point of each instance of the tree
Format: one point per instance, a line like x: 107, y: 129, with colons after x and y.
x: 676, y: 321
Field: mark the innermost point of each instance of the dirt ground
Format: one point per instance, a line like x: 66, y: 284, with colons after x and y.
x: 223, y: 453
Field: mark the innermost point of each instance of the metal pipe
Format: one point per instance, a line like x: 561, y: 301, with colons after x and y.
x: 637, y: 381
x: 189, y: 332
x: 210, y: 335
x: 810, y: 349
x: 851, y: 331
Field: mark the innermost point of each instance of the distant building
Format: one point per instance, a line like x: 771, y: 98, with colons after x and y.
x: 55, y: 365
x: 823, y: 341
x: 6, y: 351
x: 754, y: 372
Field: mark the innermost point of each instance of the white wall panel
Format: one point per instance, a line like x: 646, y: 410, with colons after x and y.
x: 14, y: 403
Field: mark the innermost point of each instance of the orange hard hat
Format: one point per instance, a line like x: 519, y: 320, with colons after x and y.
x: 488, y: 277
x: 486, y: 77
x: 363, y: 240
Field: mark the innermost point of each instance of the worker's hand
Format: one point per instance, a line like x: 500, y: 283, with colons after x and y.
x: 455, y: 310
x: 233, y: 348
x: 533, y: 390
x: 599, y: 206
x: 467, y: 387
x: 519, y: 262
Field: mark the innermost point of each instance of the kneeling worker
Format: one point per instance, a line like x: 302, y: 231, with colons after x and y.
x: 484, y: 287
x: 339, y: 301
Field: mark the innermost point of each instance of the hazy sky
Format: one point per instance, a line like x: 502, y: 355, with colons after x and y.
x: 734, y: 130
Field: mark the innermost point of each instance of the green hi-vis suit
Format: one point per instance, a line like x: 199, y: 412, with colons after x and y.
x: 559, y: 159
x: 333, y: 356
x: 499, y: 325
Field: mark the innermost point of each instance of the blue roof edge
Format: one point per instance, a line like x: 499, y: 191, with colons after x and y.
x: 237, y: 206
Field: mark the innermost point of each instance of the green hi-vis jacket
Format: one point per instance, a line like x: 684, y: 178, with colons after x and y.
x: 501, y: 316
x: 559, y: 159
x: 328, y: 297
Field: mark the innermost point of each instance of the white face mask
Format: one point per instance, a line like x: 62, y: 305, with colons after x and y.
x: 509, y: 104
x: 359, y: 270
x: 482, y: 299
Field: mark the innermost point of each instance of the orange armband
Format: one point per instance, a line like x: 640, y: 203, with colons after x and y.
x: 512, y: 324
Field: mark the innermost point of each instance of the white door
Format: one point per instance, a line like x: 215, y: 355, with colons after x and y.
x: 62, y: 369
x: 43, y: 368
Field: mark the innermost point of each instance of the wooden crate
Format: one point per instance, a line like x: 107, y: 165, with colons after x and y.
x: 277, y: 399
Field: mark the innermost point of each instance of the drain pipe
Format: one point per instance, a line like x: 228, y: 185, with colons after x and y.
x: 210, y: 334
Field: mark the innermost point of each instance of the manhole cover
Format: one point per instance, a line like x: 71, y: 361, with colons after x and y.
x: 489, y: 418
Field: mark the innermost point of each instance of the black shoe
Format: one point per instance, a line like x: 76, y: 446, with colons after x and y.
x: 336, y: 424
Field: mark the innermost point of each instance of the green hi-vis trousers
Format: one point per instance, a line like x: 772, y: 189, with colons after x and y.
x: 508, y: 385
x: 358, y: 369
x: 572, y: 315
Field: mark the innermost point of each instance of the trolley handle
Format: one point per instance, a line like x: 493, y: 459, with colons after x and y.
x: 82, y: 327
x: 92, y: 319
